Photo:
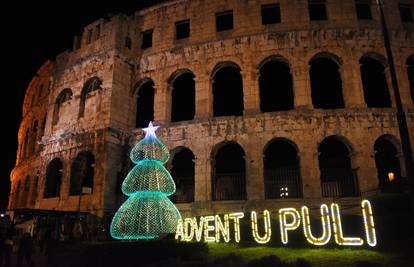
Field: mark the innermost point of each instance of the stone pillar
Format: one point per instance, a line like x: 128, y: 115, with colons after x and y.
x: 363, y: 161
x: 251, y: 96
x: 309, y: 169
x: 302, y: 86
x: 389, y: 85
x: 254, y: 181
x: 203, y: 95
x: 404, y: 83
x: 352, y: 88
x: 161, y: 104
x: 66, y: 172
x: 202, y: 179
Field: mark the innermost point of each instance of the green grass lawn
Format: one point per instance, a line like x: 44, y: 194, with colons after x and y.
x: 318, y: 257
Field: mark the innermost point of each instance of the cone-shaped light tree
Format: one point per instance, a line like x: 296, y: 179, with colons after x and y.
x: 147, y: 212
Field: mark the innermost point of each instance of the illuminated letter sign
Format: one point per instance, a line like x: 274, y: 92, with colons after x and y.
x: 214, y: 228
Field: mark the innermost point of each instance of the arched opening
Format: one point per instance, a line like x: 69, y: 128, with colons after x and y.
x: 25, y: 147
x: 227, y: 91
x: 410, y: 71
x: 183, y: 97
x: 282, y: 170
x: 229, y: 173
x: 82, y: 173
x: 374, y: 82
x: 388, y: 165
x: 17, y: 194
x: 53, y: 178
x: 338, y: 179
x: 26, y: 189
x: 61, y: 108
x: 145, y: 104
x: 182, y: 171
x: 326, y: 84
x: 34, y: 189
x: 275, y: 86
x: 33, y: 138
x: 91, y: 85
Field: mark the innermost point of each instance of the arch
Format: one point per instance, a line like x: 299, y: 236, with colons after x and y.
x: 35, y: 188
x: 25, y: 145
x: 17, y: 194
x: 281, y: 167
x: 182, y: 96
x: 388, y: 164
x: 33, y: 138
x: 53, y: 181
x: 82, y: 174
x: 227, y: 90
x: 374, y: 82
x: 327, y: 55
x: 376, y: 56
x: 92, y: 84
x: 224, y: 64
x: 271, y: 58
x: 64, y: 96
x: 338, y: 179
x: 410, y: 72
x: 26, y: 189
x: 182, y: 171
x: 326, y: 82
x: 229, y: 172
x: 145, y: 94
x: 275, y: 86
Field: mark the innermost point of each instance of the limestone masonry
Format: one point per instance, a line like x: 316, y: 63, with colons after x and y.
x: 262, y: 103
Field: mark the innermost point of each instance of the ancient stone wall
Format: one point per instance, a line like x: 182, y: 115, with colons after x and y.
x: 102, y: 120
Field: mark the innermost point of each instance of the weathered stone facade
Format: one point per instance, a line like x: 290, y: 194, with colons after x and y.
x: 101, y: 119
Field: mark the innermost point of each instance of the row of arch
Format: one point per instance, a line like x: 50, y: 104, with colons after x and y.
x: 81, y: 176
x: 282, y: 171
x: 31, y: 138
x: 92, y: 84
x: 275, y: 87
x: 281, y: 165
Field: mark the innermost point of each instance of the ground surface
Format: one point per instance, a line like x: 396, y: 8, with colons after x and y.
x: 320, y: 257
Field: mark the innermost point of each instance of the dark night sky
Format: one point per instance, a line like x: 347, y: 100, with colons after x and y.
x: 32, y: 32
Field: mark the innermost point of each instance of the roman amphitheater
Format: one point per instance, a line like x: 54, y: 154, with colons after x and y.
x: 262, y: 104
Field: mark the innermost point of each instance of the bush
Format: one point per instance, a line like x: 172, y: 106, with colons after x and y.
x: 367, y: 264
x: 267, y: 261
x: 124, y: 254
x: 300, y: 262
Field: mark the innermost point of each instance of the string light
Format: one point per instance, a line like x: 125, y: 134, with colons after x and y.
x: 369, y: 223
x: 222, y: 228
x: 217, y: 227
x: 209, y: 228
x: 337, y: 226
x: 198, y: 228
x: 326, y: 226
x: 267, y: 226
x: 188, y: 229
x: 179, y: 232
x: 236, y: 218
x: 148, y: 212
x: 284, y: 225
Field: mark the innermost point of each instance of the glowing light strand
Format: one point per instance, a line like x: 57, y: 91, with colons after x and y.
x: 326, y: 226
x: 267, y: 227
x: 369, y: 223
x: 236, y: 218
x: 222, y: 229
x: 284, y: 225
x: 148, y: 212
x: 338, y: 233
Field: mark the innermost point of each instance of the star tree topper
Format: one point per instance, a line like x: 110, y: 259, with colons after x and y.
x: 150, y: 130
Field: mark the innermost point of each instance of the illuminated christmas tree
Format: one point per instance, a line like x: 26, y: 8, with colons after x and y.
x: 148, y: 212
